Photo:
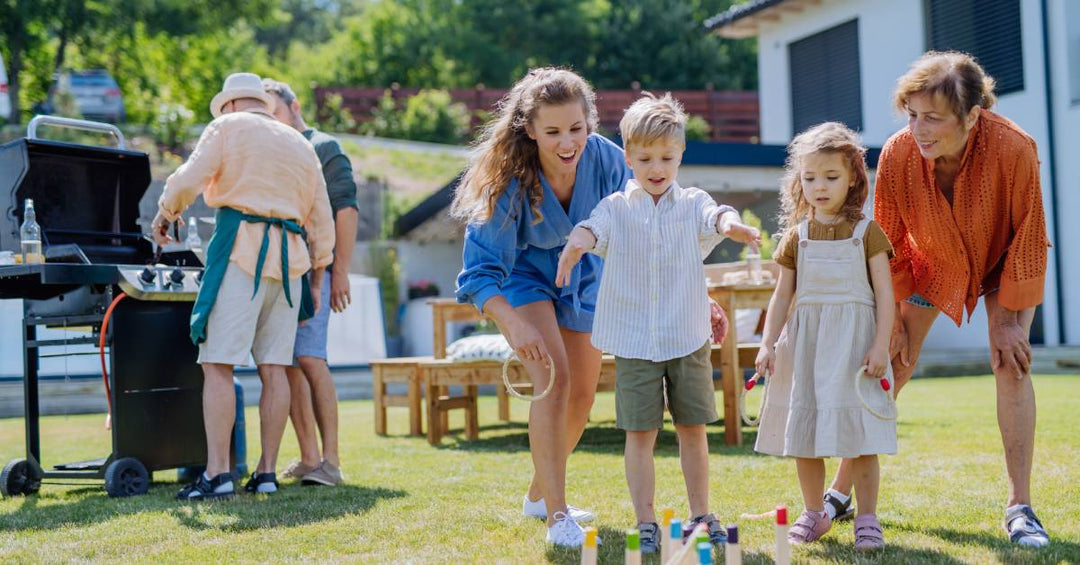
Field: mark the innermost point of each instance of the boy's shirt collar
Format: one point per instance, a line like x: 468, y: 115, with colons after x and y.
x: 673, y: 192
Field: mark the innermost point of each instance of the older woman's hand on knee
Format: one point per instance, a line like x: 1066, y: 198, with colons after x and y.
x: 1010, y: 349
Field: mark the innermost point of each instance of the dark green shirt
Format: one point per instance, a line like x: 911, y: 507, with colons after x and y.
x: 336, y: 168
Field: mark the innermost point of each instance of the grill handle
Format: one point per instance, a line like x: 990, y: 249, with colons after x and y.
x: 70, y: 123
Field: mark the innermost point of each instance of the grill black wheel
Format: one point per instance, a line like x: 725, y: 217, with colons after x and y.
x: 17, y: 479
x: 126, y: 477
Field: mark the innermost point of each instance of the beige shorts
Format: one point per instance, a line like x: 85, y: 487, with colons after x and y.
x: 264, y: 326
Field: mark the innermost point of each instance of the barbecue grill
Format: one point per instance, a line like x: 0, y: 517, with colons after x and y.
x: 87, y: 203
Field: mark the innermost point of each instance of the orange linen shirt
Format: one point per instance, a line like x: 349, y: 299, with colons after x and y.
x: 251, y: 162
x: 992, y: 237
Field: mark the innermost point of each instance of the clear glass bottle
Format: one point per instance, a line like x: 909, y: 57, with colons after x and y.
x: 30, y: 235
x: 193, y: 241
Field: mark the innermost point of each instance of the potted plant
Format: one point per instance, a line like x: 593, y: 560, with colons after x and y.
x: 423, y: 288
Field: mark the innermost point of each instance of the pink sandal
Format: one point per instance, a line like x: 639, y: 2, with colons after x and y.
x: 868, y: 534
x: 809, y: 527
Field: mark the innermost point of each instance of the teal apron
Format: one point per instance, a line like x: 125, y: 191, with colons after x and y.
x: 217, y: 260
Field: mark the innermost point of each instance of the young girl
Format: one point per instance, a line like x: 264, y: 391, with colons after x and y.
x: 834, y: 264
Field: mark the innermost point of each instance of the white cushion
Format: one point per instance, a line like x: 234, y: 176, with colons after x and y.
x: 482, y: 347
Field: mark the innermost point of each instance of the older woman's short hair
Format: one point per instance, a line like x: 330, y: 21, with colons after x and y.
x: 651, y: 119
x: 955, y: 75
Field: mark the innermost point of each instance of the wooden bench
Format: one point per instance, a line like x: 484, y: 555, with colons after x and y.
x: 422, y: 375
x: 397, y: 370
x: 438, y: 375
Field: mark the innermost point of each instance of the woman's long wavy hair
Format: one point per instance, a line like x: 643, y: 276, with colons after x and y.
x: 829, y: 137
x: 505, y: 151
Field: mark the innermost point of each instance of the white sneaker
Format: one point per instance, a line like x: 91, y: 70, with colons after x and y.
x: 538, y: 509
x: 566, y: 532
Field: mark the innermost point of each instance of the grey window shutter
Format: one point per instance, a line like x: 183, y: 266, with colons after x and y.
x: 989, y: 30
x: 825, y: 83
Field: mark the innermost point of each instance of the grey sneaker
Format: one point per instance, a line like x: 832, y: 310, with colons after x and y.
x: 649, y: 537
x: 1024, y: 528
x: 297, y: 469
x: 717, y: 533
x: 325, y: 474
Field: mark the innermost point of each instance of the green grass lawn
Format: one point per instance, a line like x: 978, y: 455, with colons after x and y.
x: 942, y: 497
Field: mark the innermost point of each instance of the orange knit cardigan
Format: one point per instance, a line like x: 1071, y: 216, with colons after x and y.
x: 992, y: 237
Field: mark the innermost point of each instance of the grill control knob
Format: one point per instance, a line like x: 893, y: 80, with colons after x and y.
x: 177, y: 276
x: 147, y: 276
x: 199, y: 276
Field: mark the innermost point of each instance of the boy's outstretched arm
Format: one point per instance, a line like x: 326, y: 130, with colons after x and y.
x: 579, y: 243
x: 730, y: 224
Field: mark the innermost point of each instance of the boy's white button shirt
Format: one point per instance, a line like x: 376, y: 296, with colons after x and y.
x: 653, y: 303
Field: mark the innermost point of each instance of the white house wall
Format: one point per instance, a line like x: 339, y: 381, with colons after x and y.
x: 891, y: 36
x: 1066, y: 117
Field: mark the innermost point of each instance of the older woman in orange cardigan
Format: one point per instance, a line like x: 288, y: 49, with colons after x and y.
x: 958, y: 194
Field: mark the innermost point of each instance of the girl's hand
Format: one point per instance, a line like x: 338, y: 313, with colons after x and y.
x: 766, y: 360
x: 876, y: 361
x: 527, y: 342
x: 580, y: 241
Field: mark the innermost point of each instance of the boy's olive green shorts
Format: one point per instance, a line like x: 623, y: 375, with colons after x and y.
x: 640, y: 384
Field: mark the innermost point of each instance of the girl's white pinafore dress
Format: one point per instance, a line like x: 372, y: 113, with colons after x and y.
x: 812, y: 408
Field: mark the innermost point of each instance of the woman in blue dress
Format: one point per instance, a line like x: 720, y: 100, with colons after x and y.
x: 539, y: 169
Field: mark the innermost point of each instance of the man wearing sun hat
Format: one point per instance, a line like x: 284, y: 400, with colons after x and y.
x: 273, y: 225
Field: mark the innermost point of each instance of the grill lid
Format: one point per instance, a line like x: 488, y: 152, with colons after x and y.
x: 84, y: 195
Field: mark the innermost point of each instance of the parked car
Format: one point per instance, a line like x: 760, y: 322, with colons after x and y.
x: 96, y: 93
x: 5, y: 102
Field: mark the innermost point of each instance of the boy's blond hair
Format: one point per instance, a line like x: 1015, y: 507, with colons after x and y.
x: 651, y: 119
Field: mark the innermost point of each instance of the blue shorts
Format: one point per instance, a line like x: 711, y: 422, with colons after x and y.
x: 917, y: 300
x: 520, y: 290
x: 311, y: 337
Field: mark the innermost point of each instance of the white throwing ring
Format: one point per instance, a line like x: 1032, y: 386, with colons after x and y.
x: 859, y: 375
x: 513, y: 391
x: 746, y: 418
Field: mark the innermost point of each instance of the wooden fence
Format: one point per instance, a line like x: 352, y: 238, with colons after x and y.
x: 731, y: 114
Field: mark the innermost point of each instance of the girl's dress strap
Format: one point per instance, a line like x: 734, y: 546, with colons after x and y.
x: 860, y: 228
x: 804, y: 230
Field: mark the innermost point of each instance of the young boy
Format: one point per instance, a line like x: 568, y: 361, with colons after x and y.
x: 653, y: 311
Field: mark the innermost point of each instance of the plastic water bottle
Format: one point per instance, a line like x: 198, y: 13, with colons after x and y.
x: 30, y: 235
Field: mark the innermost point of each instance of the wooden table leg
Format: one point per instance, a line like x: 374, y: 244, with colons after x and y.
x: 435, y: 429
x: 730, y: 372
x: 415, y: 410
x: 378, y: 393
x: 444, y: 415
x: 472, y: 417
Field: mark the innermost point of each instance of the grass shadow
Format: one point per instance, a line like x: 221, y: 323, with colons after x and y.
x: 599, y: 437
x: 288, y: 507
x: 844, y: 552
x: 1059, y: 551
x: 292, y: 505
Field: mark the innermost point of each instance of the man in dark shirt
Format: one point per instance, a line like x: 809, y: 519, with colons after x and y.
x: 314, y: 399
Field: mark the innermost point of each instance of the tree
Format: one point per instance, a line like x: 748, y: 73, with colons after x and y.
x: 22, y: 28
